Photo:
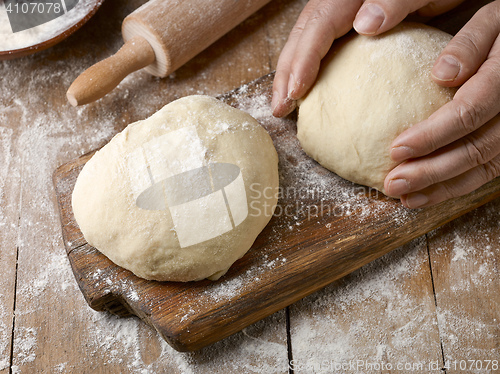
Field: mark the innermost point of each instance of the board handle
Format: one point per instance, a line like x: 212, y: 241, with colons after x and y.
x: 101, y: 78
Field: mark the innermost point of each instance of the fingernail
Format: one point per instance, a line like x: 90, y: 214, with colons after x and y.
x: 398, y: 187
x: 369, y: 19
x: 401, y: 153
x: 446, y: 69
x: 275, y: 101
x: 281, y: 107
x: 292, y: 87
x: 416, y: 200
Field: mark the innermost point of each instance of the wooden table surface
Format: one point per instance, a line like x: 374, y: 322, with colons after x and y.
x: 429, y: 305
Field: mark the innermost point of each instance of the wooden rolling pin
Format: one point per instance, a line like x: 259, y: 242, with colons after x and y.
x: 161, y: 36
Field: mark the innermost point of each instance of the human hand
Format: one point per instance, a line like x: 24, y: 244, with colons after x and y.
x: 320, y: 23
x: 457, y: 149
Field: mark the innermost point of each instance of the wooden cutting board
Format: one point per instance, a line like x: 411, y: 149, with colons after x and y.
x: 324, y: 228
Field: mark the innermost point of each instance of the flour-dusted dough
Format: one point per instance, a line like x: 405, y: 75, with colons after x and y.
x: 181, y: 195
x: 369, y: 90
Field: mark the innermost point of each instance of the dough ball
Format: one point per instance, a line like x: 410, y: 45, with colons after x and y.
x: 369, y: 90
x: 181, y: 195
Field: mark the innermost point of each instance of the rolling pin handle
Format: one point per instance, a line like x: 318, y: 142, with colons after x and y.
x: 101, y: 78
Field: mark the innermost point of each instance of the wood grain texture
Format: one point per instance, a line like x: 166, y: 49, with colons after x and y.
x: 465, y: 263
x: 314, y: 239
x: 10, y: 178
x: 382, y: 314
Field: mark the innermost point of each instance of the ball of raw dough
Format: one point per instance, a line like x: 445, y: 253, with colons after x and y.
x: 369, y: 90
x: 181, y: 195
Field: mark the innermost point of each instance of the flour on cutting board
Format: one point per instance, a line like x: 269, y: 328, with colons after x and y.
x: 39, y: 34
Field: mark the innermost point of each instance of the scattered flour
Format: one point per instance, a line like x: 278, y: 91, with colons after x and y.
x: 6, y: 282
x: 228, y: 288
x: 32, y: 145
x: 459, y: 249
x: 4, y: 363
x: 258, y: 106
x: 25, y: 345
x: 4, y: 338
x: 469, y: 250
x: 5, y: 152
x: 122, y: 341
x: 369, y: 316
